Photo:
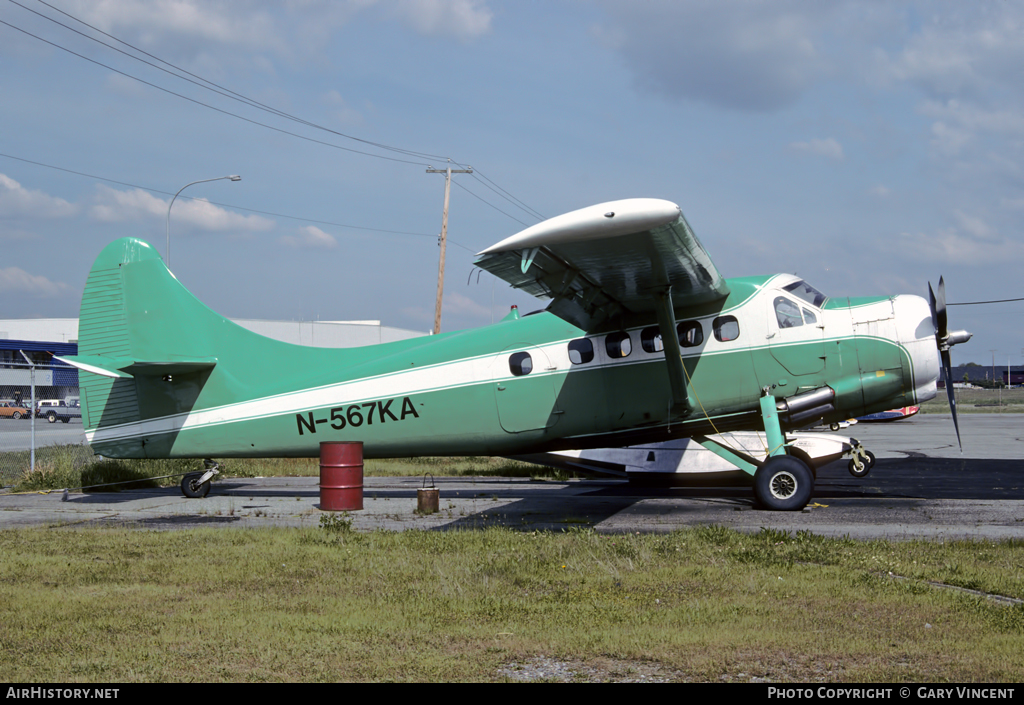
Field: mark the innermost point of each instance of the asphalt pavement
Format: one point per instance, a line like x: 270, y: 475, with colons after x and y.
x: 921, y: 487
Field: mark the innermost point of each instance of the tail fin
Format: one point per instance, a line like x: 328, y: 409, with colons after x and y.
x: 139, y: 328
x: 164, y: 376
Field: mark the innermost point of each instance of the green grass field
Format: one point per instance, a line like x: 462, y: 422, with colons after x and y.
x: 978, y: 401
x: 69, y: 466
x: 328, y: 604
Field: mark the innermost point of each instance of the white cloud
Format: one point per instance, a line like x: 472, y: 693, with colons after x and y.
x: 973, y: 226
x: 463, y: 19
x: 153, y: 22
x: 341, y: 110
x: 461, y: 305
x: 18, y: 281
x: 964, y: 52
x: 828, y: 147
x: 198, y: 29
x: 959, y: 124
x: 113, y: 205
x: 310, y: 237
x: 18, y: 201
x: 954, y: 246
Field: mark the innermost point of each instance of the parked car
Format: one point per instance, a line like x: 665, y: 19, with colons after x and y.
x: 12, y: 410
x: 57, y: 409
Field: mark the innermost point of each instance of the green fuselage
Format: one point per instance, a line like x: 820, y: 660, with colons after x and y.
x: 518, y: 386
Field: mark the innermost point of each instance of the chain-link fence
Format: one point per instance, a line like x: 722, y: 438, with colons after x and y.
x: 39, y: 413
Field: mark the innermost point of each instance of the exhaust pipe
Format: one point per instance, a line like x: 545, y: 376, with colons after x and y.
x: 807, y: 406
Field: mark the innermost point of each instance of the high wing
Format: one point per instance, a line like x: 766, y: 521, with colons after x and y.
x: 620, y: 257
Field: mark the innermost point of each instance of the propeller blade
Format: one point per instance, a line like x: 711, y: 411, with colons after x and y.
x: 931, y: 305
x: 940, y: 309
x: 947, y: 370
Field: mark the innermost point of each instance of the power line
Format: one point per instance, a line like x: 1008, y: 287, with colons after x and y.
x: 224, y: 92
x: 222, y: 205
x: 487, y: 183
x: 216, y: 88
x: 489, y: 204
x: 207, y: 105
x: 978, y: 303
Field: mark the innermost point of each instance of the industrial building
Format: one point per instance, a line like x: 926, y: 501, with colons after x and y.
x: 28, y: 346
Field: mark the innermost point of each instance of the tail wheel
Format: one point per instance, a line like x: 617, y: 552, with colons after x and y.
x: 859, y: 465
x: 191, y: 488
x: 783, y: 483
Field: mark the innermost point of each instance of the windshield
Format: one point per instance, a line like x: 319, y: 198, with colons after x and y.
x: 806, y: 292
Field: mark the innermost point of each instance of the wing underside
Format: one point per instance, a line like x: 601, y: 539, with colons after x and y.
x: 614, y: 258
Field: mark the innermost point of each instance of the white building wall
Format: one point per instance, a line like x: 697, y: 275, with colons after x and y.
x: 54, y: 330
x: 319, y: 334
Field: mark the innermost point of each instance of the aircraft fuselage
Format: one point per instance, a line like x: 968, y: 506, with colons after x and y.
x: 529, y: 384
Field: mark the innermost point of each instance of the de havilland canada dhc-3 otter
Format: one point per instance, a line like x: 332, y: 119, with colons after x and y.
x: 643, y: 341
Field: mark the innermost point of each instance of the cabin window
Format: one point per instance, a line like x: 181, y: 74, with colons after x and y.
x: 787, y: 313
x: 581, y: 351
x: 690, y: 334
x: 726, y: 328
x: 650, y: 340
x: 809, y: 318
x: 520, y: 364
x: 806, y: 292
x: 618, y: 345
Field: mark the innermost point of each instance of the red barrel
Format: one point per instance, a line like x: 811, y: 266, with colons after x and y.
x: 341, y: 476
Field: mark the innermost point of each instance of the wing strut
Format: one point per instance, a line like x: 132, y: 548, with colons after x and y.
x: 673, y: 354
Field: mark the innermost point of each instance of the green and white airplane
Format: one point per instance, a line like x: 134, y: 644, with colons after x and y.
x: 643, y: 341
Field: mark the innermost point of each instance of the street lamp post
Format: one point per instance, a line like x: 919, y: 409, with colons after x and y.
x: 233, y: 177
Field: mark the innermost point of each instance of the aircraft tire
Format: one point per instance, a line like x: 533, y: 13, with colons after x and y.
x: 783, y: 484
x: 865, y: 465
x: 192, y: 490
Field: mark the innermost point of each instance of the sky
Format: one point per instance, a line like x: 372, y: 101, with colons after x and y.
x: 870, y: 147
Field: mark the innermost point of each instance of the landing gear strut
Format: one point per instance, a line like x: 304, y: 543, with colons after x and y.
x: 196, y: 485
x: 782, y: 482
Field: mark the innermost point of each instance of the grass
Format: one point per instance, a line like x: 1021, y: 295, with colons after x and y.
x: 330, y: 604
x: 978, y: 401
x: 67, y: 466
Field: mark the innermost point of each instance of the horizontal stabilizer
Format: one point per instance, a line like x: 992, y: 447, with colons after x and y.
x: 128, y: 367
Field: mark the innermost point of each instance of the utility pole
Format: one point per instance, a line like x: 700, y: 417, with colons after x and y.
x: 443, y: 241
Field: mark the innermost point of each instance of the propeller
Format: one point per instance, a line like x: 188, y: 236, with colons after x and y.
x: 945, y: 340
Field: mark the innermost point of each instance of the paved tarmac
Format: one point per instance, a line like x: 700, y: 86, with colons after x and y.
x: 921, y: 487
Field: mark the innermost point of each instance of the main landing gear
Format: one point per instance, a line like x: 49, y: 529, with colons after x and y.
x: 196, y: 485
x: 783, y: 483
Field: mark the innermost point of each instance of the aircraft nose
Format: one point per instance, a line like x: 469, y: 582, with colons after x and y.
x: 916, y: 331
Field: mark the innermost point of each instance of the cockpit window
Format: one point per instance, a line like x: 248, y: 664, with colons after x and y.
x: 787, y: 313
x: 806, y: 292
x: 809, y: 317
